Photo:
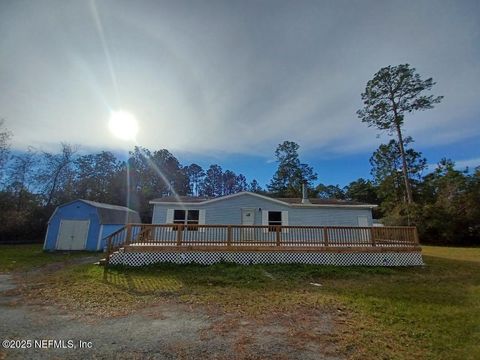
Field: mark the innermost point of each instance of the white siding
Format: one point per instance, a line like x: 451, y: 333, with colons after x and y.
x: 362, y: 221
x: 265, y: 219
x: 169, y: 218
x: 285, y: 220
x: 201, y: 219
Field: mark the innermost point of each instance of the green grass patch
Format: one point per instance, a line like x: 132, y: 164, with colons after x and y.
x: 25, y: 257
x: 430, y: 312
x: 454, y: 253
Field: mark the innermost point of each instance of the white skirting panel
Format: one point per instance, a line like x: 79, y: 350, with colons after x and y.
x: 246, y: 258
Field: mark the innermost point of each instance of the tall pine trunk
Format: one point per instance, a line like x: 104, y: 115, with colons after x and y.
x: 408, y: 189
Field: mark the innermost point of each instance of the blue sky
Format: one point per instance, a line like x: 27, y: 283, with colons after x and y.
x: 340, y: 169
x: 225, y: 82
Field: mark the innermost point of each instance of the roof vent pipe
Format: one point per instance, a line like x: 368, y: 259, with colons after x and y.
x: 304, y: 194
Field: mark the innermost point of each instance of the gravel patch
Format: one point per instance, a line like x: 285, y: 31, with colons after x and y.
x: 6, y: 282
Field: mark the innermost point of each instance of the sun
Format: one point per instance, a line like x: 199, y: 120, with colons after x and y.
x: 123, y: 125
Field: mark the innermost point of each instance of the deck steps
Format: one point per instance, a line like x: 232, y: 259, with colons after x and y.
x: 103, y: 262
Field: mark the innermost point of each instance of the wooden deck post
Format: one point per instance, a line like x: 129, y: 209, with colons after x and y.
x: 179, y: 234
x: 372, y: 235
x: 128, y: 237
x: 109, y: 251
x: 278, y: 236
x: 415, y: 236
x: 149, y: 235
x: 229, y: 235
x: 325, y: 235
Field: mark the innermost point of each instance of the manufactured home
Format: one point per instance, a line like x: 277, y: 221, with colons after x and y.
x: 249, y: 228
x: 246, y: 208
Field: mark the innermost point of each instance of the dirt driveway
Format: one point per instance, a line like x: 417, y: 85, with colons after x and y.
x: 169, y: 330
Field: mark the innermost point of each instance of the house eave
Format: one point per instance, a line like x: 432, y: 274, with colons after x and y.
x: 201, y: 203
x: 226, y: 197
x: 366, y: 206
x: 178, y: 203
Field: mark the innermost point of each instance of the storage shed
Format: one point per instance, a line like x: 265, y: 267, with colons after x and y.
x: 84, y: 224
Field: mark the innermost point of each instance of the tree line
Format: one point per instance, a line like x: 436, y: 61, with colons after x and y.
x: 444, y: 204
x: 33, y: 183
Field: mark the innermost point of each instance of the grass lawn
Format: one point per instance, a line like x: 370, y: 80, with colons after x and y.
x: 453, y: 253
x: 28, y: 256
x: 430, y: 312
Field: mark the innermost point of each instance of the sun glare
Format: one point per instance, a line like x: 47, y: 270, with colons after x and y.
x: 123, y: 125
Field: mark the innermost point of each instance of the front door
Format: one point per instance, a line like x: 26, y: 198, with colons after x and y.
x: 248, y: 219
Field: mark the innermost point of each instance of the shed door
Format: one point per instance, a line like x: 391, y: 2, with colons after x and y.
x: 72, y: 234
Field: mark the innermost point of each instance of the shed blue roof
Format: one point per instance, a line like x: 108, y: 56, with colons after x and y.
x: 110, y: 214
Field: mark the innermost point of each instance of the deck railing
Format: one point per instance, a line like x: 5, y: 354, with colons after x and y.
x: 240, y: 236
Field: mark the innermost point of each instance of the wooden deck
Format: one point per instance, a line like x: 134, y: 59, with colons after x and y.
x: 179, y: 238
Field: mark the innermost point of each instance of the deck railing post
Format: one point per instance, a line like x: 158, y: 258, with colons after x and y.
x: 109, y: 250
x: 278, y: 236
x: 372, y: 236
x: 128, y: 238
x: 325, y: 235
x: 415, y: 236
x: 179, y: 234
x: 229, y: 235
x: 149, y: 234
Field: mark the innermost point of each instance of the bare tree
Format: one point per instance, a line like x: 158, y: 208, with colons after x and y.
x: 21, y: 176
x: 56, y: 174
x: 5, y: 136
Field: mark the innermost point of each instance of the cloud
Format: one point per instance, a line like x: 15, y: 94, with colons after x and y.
x: 229, y: 77
x: 460, y: 164
x: 470, y: 163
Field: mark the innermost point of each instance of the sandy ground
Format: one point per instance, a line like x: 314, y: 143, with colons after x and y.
x: 162, y: 331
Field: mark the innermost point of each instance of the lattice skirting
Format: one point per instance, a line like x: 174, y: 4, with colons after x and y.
x: 208, y: 258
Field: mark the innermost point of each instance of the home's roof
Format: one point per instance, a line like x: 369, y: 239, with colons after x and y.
x: 318, y: 201
x: 187, y: 200
x: 111, y: 214
x: 181, y: 199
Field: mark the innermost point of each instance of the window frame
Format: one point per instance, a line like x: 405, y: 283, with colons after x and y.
x: 272, y: 224
x: 187, y: 220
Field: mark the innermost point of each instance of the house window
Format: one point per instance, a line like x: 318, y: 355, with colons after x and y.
x: 187, y: 217
x: 179, y: 216
x: 274, y: 220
